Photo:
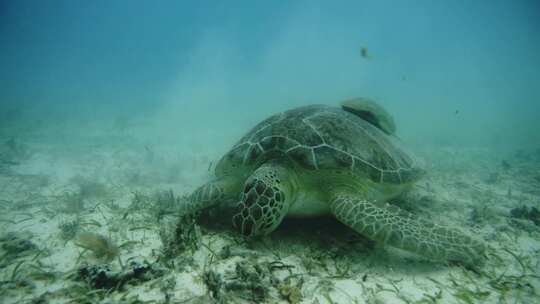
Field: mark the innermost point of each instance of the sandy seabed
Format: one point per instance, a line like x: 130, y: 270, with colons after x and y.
x: 95, y: 222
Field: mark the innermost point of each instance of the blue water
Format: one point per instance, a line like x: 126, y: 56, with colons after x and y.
x: 235, y: 63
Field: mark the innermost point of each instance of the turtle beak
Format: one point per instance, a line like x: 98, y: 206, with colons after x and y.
x: 246, y: 224
x: 251, y: 221
x: 238, y: 223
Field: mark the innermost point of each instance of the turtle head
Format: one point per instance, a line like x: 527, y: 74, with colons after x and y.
x: 232, y: 164
x: 265, y: 200
x: 227, y: 166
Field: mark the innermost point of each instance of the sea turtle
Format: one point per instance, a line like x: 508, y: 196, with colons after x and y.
x: 318, y: 159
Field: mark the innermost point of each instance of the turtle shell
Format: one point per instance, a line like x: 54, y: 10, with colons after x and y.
x: 322, y: 137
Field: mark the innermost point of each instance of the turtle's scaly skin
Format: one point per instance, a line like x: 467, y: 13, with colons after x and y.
x: 403, y: 230
x: 317, y: 160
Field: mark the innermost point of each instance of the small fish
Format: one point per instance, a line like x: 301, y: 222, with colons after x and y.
x: 456, y: 112
x: 364, y: 53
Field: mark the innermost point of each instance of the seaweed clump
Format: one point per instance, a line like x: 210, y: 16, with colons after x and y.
x: 102, y: 248
x: 248, y: 282
x: 69, y: 229
x: 19, y: 243
x: 214, y: 283
x: 103, y: 277
x: 15, y: 245
x: 181, y: 236
x: 251, y: 282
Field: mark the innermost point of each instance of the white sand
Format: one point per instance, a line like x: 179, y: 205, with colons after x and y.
x: 325, y: 268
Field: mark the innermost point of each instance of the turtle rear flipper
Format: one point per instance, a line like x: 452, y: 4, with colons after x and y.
x: 371, y: 112
x: 400, y: 229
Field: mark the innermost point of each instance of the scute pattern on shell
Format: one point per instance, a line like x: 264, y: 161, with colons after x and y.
x: 324, y: 137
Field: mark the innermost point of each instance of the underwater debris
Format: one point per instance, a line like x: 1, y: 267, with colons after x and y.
x: 103, y: 277
x: 102, y: 247
x: 181, y: 236
x: 531, y: 214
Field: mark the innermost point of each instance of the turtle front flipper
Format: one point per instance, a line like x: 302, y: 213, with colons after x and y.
x: 212, y: 193
x: 265, y: 200
x: 395, y: 227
